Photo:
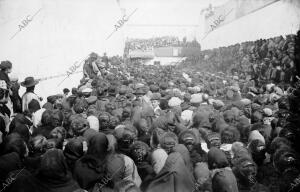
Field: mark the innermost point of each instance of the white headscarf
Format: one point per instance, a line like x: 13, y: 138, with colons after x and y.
x: 159, y: 158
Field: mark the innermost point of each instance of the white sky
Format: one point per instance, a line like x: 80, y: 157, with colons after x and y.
x: 65, y: 31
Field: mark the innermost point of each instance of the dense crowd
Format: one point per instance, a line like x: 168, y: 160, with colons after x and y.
x: 131, y: 128
x: 149, y: 44
x: 156, y: 42
x: 266, y: 59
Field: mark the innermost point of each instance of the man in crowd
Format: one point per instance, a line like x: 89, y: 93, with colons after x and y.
x: 29, y: 83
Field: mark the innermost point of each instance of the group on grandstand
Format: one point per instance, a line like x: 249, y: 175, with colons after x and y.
x: 185, y: 128
x: 264, y: 59
x: 149, y: 44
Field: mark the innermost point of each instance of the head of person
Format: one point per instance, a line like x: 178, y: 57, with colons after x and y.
x: 4, y: 92
x: 217, y: 159
x: 37, y: 145
x: 29, y: 83
x: 74, y: 91
x: 202, y: 177
x: 139, y: 151
x: 15, y: 143
x: 80, y: 106
x: 79, y: 124
x: 54, y: 167
x: 126, y: 135
x: 245, y: 170
x: 155, y: 102
x: 23, y: 131
x: 158, y: 159
x: 6, y: 66
x: 98, y: 146
x: 188, y: 138
x: 33, y: 106
x: 168, y: 141
x: 213, y: 139
x: 104, y: 120
x: 93, y: 56
x: 142, y: 127
x: 74, y: 150
x: 66, y: 91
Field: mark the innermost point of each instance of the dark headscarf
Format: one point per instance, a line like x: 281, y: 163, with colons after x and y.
x: 97, y: 146
x: 174, y: 177
x: 216, y: 159
x: 54, y: 168
x: 19, y: 119
x: 9, y: 162
x: 53, y: 176
x: 168, y: 141
x: 201, y: 119
x: 23, y: 131
x: 91, y: 166
x: 184, y: 152
x: 73, y: 151
x: 14, y: 143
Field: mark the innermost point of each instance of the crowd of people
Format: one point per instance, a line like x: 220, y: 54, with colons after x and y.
x: 267, y: 59
x: 149, y: 44
x: 132, y: 128
x: 156, y: 42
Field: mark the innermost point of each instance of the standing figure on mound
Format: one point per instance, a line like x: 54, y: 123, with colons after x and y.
x: 29, y: 95
x: 105, y: 60
x: 90, y: 67
x: 5, y: 70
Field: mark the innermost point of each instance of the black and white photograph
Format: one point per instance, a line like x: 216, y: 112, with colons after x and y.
x: 149, y: 95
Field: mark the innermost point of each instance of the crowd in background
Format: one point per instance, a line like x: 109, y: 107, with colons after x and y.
x: 149, y: 44
x: 131, y: 128
x: 266, y: 59
x: 156, y: 42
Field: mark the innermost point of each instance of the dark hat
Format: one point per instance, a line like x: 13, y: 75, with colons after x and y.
x: 229, y: 135
x: 216, y: 158
x: 112, y: 90
x: 51, y: 99
x: 80, y: 106
x: 79, y: 124
x: 139, y: 151
x: 34, y: 105
x: 74, y: 90
x: 156, y: 96
x: 163, y: 86
x: 5, y: 65
x: 168, y: 141
x: 91, y: 99
x: 154, y: 88
x: 66, y: 90
x: 140, y: 92
x: 187, y: 135
x: 213, y: 139
x: 123, y: 90
x: 29, y: 82
x: 277, y: 143
x: 285, y: 158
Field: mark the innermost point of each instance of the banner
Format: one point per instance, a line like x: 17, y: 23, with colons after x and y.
x: 218, y: 16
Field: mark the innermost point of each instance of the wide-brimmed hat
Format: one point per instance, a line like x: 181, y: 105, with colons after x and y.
x: 29, y: 82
